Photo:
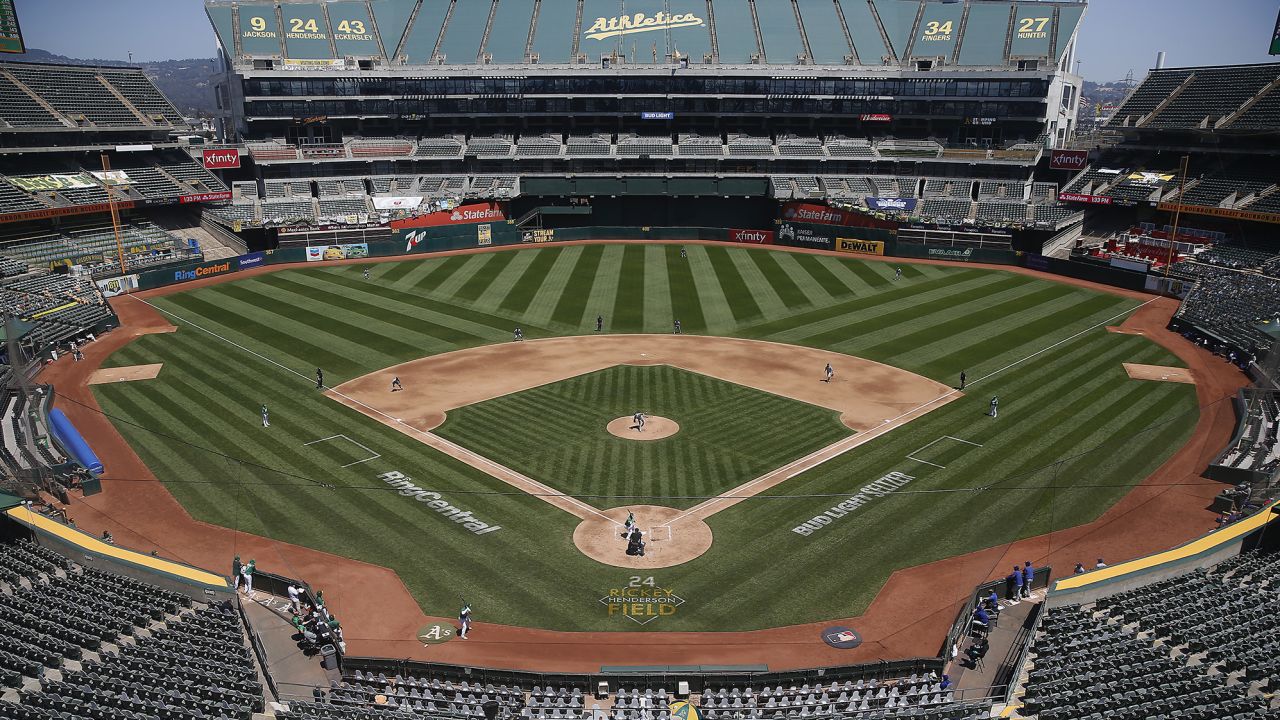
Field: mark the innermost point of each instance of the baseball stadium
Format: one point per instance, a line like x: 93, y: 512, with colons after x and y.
x: 639, y: 360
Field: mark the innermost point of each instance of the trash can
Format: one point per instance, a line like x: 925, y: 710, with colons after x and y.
x: 329, y: 657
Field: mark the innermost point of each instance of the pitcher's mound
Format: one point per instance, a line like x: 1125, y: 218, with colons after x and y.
x: 655, y: 428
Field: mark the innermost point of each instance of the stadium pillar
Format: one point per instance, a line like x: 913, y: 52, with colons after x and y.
x: 1177, y: 212
x: 115, y: 213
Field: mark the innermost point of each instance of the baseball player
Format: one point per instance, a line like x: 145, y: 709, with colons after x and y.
x: 319, y: 379
x: 639, y: 420
x: 599, y: 323
x: 684, y: 253
x: 366, y: 273
x: 995, y: 406
x: 464, y: 620
x: 830, y: 373
x: 519, y: 334
x: 266, y: 418
x: 395, y: 384
x: 677, y: 328
x: 962, y: 379
x: 897, y: 275
x: 629, y: 524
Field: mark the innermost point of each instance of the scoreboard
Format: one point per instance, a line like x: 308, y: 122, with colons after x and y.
x: 10, y: 32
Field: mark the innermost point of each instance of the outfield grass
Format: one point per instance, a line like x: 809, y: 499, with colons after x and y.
x: 729, y: 434
x: 1074, y: 431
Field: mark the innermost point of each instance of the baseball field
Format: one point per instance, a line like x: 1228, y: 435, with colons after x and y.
x: 473, y: 480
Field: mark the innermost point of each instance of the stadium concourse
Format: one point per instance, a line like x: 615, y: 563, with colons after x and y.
x: 909, y: 617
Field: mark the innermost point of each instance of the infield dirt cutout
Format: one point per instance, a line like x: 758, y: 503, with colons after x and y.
x: 125, y: 374
x: 1138, y: 371
x: 655, y: 428
x: 872, y: 399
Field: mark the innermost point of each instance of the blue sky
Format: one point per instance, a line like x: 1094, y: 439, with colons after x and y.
x: 1118, y: 35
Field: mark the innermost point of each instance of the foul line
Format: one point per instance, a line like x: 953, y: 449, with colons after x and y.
x: 431, y: 439
x: 912, y: 455
x: 373, y: 455
x: 814, y: 459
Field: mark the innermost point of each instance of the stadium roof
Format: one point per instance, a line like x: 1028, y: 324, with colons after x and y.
x: 867, y: 33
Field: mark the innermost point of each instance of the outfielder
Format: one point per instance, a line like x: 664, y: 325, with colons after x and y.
x: 995, y: 406
x: 366, y: 273
x: 266, y: 418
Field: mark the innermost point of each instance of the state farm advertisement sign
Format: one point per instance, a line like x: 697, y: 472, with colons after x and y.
x: 220, y: 159
x: 205, y: 197
x: 1068, y: 159
x: 806, y: 212
x: 752, y: 237
x: 1090, y: 199
x: 461, y: 215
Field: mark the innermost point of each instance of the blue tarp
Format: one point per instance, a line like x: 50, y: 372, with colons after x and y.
x: 72, y: 443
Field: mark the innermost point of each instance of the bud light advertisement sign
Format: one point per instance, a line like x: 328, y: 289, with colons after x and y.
x: 898, y: 205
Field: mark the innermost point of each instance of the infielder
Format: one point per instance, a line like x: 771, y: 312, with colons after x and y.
x: 395, y: 384
x: 464, y: 620
x: 830, y: 373
x: 599, y: 323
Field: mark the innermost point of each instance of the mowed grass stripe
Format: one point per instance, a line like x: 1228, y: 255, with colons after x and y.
x: 520, y: 293
x: 551, y: 288
x: 379, y: 312
x: 296, y: 315
x: 476, y: 317
x: 658, y: 315
x: 438, y: 273
x: 275, y: 342
x: 507, y: 278
x: 741, y: 303
x: 784, y: 286
x: 821, y: 274
x: 810, y: 322
x: 854, y: 330
x: 686, y: 304
x: 488, y: 267
x: 1031, y: 336
x: 462, y: 270
x: 570, y: 309
x: 628, y: 301
x: 813, y: 292
x: 757, y: 285
x: 394, y: 272
x: 966, y: 319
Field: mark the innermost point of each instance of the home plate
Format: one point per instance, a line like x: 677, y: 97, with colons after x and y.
x: 1158, y: 372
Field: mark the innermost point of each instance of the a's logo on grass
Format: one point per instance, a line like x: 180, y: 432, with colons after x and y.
x: 436, y: 633
x: 641, y: 601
